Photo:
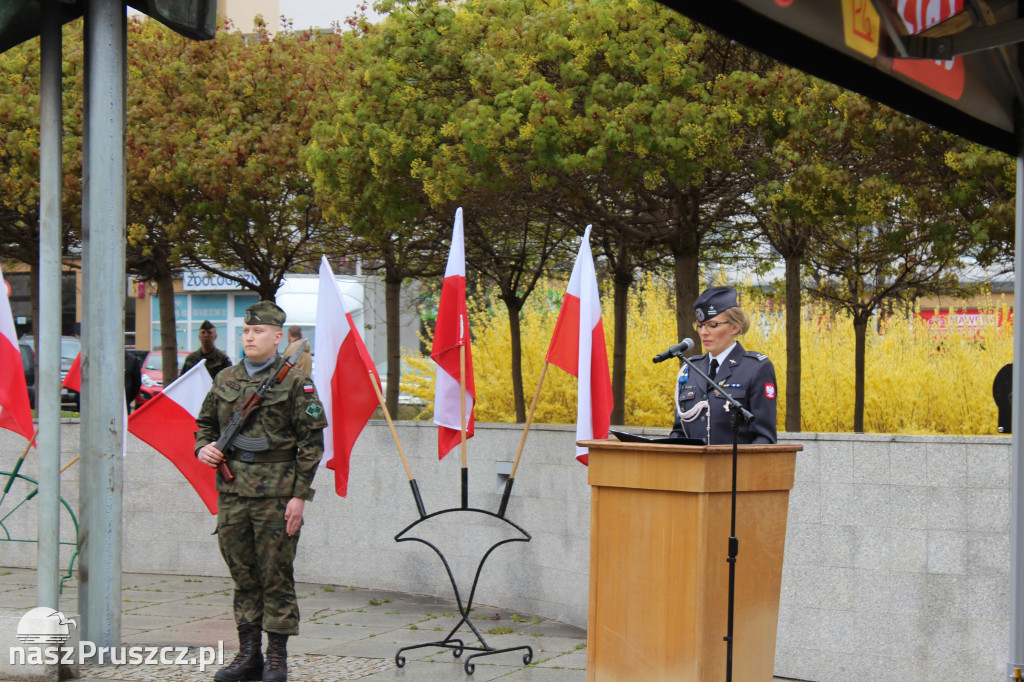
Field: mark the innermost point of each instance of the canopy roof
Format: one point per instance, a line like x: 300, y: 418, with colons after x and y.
x: 20, y: 20
x: 957, y: 68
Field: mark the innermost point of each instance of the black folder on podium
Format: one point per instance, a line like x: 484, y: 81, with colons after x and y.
x: 634, y: 438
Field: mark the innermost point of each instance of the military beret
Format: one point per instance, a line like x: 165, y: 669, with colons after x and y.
x: 264, y: 312
x: 714, y: 301
x: 207, y: 325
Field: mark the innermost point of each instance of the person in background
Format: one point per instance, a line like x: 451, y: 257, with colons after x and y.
x: 132, y: 378
x: 216, y: 359
x: 305, y: 361
x: 748, y: 376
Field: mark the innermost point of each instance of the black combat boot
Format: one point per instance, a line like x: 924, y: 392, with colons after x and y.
x: 248, y: 663
x: 276, y: 669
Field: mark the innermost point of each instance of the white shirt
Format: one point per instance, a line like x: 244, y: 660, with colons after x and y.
x: 720, y: 357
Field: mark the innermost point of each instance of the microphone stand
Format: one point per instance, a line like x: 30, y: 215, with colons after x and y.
x: 739, y: 416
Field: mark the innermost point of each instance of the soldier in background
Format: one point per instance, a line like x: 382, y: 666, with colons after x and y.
x: 305, y: 361
x: 216, y: 359
x: 259, y: 513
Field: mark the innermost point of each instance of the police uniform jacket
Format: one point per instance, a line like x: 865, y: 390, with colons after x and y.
x: 749, y: 377
x: 289, y: 420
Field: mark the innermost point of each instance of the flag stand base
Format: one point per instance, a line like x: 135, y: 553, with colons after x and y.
x: 458, y: 518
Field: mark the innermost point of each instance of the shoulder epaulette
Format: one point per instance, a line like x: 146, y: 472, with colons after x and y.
x: 754, y: 354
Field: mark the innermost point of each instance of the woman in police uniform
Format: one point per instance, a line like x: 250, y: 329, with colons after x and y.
x: 747, y: 376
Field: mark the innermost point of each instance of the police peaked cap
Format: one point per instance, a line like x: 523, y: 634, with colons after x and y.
x: 265, y: 312
x: 714, y: 301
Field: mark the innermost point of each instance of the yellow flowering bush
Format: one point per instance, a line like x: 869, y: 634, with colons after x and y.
x: 920, y: 378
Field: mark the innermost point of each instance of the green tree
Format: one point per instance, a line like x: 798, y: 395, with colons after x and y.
x: 215, y: 134
x: 636, y: 116
x: 233, y: 116
x: 394, y: 90
x: 19, y: 152
x: 899, y: 235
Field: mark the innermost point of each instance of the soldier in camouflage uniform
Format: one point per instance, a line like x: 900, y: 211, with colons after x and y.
x: 274, y: 460
x: 216, y: 359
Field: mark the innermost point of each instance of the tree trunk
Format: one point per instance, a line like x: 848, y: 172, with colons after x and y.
x: 793, y: 367
x: 621, y: 307
x: 516, y: 340
x: 168, y: 333
x: 392, y: 303
x: 860, y: 328
x: 687, y: 283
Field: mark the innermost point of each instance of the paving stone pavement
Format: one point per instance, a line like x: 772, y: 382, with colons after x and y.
x: 346, y: 633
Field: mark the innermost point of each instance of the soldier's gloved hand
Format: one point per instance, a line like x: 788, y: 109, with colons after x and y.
x: 293, y: 515
x: 210, y: 455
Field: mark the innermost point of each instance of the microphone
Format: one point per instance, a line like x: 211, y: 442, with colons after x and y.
x: 674, y: 351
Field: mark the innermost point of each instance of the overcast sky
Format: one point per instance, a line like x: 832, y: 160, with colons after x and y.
x: 320, y: 13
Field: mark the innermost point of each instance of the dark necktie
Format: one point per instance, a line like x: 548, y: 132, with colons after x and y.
x: 714, y: 369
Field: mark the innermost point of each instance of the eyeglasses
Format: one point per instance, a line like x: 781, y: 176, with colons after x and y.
x: 711, y: 325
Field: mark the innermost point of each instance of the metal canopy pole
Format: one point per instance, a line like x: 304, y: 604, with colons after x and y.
x: 103, y: 295
x: 1017, y: 460
x: 48, y: 384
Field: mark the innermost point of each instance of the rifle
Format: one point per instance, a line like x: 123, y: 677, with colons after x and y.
x: 241, y: 416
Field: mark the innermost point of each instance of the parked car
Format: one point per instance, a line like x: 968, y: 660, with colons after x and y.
x: 28, y: 364
x: 70, y: 347
x: 153, y: 375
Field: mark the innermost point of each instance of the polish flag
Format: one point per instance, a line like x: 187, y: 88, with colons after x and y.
x: 450, y: 333
x: 167, y: 422
x: 342, y: 374
x: 577, y: 346
x: 15, y: 412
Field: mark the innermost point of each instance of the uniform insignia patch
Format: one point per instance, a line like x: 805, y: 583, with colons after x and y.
x: 314, y: 410
x: 307, y: 388
x: 231, y: 384
x: 769, y: 391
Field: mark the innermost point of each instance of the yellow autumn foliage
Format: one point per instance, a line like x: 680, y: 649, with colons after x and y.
x: 920, y: 379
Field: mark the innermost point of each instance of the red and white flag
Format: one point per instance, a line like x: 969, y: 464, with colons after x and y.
x: 577, y: 346
x: 168, y: 423
x: 342, y: 374
x: 450, y: 334
x: 15, y: 410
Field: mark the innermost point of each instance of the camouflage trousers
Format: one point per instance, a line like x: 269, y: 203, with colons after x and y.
x: 259, y: 554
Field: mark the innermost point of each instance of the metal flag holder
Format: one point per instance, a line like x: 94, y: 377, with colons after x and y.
x: 451, y: 640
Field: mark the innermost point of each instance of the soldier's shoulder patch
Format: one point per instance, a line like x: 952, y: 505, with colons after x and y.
x: 314, y: 410
x: 757, y: 356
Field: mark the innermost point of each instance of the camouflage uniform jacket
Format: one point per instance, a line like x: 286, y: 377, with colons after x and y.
x: 290, y: 418
x: 216, y: 361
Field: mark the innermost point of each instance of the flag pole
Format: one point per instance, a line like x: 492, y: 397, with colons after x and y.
x: 398, y: 443
x: 462, y: 424
x: 522, y: 442
x: 17, y: 467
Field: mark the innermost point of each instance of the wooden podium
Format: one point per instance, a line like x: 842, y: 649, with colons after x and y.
x: 659, y: 579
